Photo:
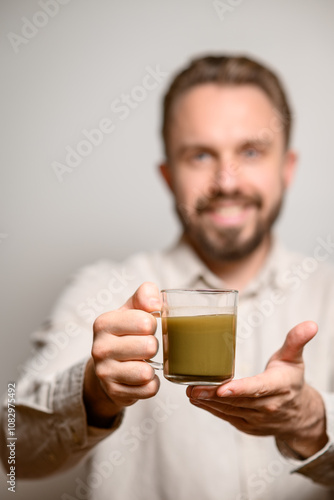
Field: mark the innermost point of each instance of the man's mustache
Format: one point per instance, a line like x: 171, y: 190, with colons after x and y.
x: 209, y: 202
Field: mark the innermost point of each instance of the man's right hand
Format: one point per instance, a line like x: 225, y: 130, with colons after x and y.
x: 117, y: 375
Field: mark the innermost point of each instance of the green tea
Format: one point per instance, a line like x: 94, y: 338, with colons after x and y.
x: 199, y: 349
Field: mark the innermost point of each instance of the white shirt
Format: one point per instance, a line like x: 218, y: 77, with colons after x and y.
x: 165, y: 448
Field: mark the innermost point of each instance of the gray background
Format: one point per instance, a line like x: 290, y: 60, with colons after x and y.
x: 113, y: 204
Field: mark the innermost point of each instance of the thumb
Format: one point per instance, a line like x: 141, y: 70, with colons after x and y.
x: 146, y: 297
x: 296, y: 339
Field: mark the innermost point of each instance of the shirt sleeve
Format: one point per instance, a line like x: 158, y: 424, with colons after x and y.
x: 318, y: 467
x: 52, y: 431
x: 51, y: 422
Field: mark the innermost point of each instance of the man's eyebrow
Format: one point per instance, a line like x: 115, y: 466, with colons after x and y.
x: 196, y: 146
x: 242, y: 144
x: 255, y: 143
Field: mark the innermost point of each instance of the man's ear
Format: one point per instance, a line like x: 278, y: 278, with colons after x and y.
x: 165, y: 170
x: 289, y: 167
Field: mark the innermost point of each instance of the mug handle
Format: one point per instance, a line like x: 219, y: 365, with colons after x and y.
x: 155, y: 364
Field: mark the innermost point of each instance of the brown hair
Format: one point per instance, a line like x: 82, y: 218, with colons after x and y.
x: 227, y: 70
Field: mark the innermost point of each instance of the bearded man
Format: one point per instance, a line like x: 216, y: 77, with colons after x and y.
x: 269, y: 432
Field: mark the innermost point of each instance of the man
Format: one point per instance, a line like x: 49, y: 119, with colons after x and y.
x: 228, y: 164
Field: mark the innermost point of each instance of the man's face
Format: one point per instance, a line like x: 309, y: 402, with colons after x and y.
x: 228, y: 168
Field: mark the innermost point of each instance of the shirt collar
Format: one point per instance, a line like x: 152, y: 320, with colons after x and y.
x: 184, y: 269
x: 269, y: 274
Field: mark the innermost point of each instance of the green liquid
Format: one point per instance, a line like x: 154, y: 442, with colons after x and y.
x: 199, y: 349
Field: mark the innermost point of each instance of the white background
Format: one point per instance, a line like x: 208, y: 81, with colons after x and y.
x: 64, y: 79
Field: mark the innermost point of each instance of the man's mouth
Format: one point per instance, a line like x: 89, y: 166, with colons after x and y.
x: 230, y: 214
x: 228, y: 211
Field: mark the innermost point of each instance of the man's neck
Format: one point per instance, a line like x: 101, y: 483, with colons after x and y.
x: 237, y: 274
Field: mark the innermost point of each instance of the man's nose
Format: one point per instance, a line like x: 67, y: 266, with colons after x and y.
x: 227, y: 176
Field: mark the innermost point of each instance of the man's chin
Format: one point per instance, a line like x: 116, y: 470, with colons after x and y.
x: 229, y: 248
x: 228, y: 243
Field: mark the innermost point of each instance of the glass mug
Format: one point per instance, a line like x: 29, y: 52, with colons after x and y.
x: 198, y: 336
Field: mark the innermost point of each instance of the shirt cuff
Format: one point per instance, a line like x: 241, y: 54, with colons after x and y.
x: 70, y: 411
x: 320, y: 466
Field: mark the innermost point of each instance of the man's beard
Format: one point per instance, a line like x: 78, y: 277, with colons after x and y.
x: 225, y: 245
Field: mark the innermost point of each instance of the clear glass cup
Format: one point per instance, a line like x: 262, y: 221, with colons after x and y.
x: 198, y: 335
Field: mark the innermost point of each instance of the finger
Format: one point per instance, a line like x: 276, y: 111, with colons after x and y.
x: 146, y: 297
x: 193, y: 391
x: 260, y: 411
x: 263, y: 384
x: 228, y: 409
x: 125, y: 322
x: 267, y: 383
x: 256, y: 403
x: 253, y: 387
x: 127, y: 347
x: 296, y: 339
x: 239, y: 423
x: 132, y: 373
x: 128, y: 394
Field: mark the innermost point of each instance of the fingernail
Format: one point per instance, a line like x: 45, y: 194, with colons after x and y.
x: 189, y: 391
x: 203, y: 395
x: 154, y: 303
x: 194, y: 402
x: 226, y: 393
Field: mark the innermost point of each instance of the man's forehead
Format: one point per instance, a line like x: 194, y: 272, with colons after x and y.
x: 227, y: 98
x: 209, y: 112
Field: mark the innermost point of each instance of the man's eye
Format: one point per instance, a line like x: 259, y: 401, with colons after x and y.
x: 251, y: 153
x: 202, y: 156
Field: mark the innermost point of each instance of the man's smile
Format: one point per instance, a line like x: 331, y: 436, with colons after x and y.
x: 230, y: 214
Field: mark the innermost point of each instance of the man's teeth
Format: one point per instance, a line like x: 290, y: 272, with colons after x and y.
x: 229, y: 211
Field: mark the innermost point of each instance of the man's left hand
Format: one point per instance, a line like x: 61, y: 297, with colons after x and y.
x: 276, y: 402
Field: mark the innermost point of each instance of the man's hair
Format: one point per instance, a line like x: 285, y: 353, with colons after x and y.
x: 227, y: 70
